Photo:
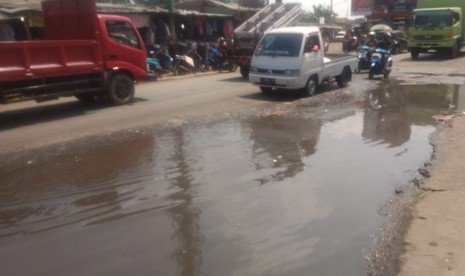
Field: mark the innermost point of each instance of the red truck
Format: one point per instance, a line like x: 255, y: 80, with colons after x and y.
x: 82, y: 54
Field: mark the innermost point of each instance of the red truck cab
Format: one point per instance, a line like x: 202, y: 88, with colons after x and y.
x: 82, y: 54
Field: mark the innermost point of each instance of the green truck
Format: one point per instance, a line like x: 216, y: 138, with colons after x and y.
x: 437, y: 25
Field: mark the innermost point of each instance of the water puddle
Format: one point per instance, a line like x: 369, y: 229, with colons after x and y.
x: 267, y: 195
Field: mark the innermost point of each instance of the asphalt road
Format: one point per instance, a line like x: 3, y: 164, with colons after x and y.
x: 30, y: 125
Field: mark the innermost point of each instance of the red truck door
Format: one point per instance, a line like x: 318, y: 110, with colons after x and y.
x: 122, y: 45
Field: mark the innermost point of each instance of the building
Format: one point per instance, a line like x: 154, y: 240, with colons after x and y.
x: 391, y: 12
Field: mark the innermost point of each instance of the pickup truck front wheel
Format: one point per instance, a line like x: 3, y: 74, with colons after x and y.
x: 121, y: 89
x: 245, y: 71
x: 310, y: 89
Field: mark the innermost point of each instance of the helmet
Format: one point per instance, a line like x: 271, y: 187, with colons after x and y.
x: 222, y: 42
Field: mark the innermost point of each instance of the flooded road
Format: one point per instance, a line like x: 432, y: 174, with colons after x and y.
x: 280, y: 193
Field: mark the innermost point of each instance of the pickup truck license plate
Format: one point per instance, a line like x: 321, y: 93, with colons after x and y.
x: 267, y: 81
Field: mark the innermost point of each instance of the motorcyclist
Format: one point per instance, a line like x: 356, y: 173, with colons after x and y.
x: 222, y: 45
x: 223, y: 49
x: 384, y: 41
x: 371, y: 41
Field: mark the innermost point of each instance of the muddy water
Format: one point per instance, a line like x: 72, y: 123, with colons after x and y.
x: 262, y: 195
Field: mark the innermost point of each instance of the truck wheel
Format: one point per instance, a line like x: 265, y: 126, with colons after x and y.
x: 310, y: 89
x: 121, y: 89
x: 454, y: 52
x: 344, y: 78
x: 266, y: 90
x: 245, y: 72
x: 414, y: 52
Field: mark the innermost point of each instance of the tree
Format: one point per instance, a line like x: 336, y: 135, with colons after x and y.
x: 320, y: 11
x: 325, y: 12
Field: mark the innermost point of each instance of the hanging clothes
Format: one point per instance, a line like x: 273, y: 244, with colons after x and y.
x: 208, y: 28
x: 199, y: 27
x: 228, y: 28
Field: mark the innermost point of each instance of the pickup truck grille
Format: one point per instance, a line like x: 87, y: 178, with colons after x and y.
x: 428, y: 37
x: 270, y: 72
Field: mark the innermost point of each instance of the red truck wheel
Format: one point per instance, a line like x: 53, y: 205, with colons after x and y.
x: 121, y: 89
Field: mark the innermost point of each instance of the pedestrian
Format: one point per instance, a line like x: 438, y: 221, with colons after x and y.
x: 326, y: 43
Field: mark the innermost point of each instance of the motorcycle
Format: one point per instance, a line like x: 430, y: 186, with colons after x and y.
x: 364, y: 54
x: 350, y: 43
x: 199, y: 64
x: 184, y: 64
x: 165, y: 60
x: 153, y: 68
x: 380, y: 63
x: 220, y: 61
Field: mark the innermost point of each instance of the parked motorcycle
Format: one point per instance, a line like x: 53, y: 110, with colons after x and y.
x: 165, y: 60
x: 220, y: 61
x: 199, y: 62
x: 184, y: 64
x: 380, y: 63
x: 154, y: 69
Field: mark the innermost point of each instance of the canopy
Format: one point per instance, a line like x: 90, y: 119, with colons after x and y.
x: 380, y: 27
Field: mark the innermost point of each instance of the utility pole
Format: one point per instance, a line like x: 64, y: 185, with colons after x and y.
x: 170, y: 8
x: 331, y: 12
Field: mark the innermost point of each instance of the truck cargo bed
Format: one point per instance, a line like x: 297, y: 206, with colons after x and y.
x: 42, y: 59
x: 48, y: 69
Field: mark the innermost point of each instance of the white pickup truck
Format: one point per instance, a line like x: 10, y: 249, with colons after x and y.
x: 292, y: 58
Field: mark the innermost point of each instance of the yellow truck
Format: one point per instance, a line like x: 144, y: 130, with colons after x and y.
x: 438, y: 26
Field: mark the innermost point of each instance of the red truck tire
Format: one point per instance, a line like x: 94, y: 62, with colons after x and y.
x: 121, y: 89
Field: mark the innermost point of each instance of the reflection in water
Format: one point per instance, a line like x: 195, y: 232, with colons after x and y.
x: 286, y: 141
x: 386, y: 117
x: 190, y: 200
x: 427, y: 101
x: 185, y: 215
x: 392, y: 109
x: 83, y: 186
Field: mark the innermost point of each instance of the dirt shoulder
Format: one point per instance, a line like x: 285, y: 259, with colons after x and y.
x: 434, y: 240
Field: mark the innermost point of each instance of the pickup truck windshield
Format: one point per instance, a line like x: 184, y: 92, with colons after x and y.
x: 280, y: 45
x: 433, y: 19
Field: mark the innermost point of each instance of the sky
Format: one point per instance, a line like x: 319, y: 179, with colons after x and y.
x: 341, y: 7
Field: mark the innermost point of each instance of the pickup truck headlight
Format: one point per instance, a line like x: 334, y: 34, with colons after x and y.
x: 292, y: 72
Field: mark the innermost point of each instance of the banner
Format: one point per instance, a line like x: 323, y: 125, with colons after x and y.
x: 362, y: 7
